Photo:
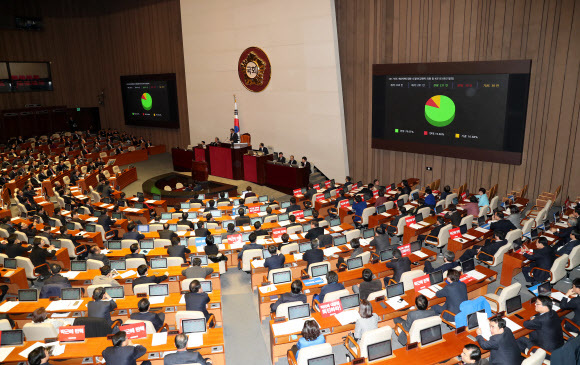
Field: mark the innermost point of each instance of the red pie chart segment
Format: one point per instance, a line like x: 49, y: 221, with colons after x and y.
x: 432, y: 103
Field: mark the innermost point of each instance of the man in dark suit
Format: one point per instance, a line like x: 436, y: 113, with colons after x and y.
x: 305, y: 164
x: 310, y: 192
x: 434, y: 231
x: 123, y: 352
x: 183, y: 355
x: 196, y: 271
x: 196, y: 299
x: 502, y: 344
x: 223, y: 198
x: 263, y: 149
x: 166, y: 233
x: 315, y: 231
x: 295, y: 295
x: 381, y: 241
x: 453, y: 215
x: 501, y: 223
x: 543, y: 258
x: 107, y: 190
x: 259, y: 231
x: 252, y: 245
x: 564, y: 233
x: 293, y: 206
x: 200, y: 231
x: 157, y: 319
x: 367, y: 192
x: 132, y: 234
x: 572, y: 302
x: 281, y: 158
x: 249, y: 193
x: 177, y: 250
x: 95, y: 254
x: 421, y: 303
x: 567, y: 247
x: 144, y: 279
x: 196, y: 200
x: 275, y: 261
x: 234, y: 138
x: 46, y: 231
x: 105, y: 221
x: 489, y: 249
x: 455, y: 293
x: 399, y: 264
x: 448, y: 263
x: 368, y: 285
x: 292, y: 161
x: 56, y: 277
x: 332, y: 286
x: 547, y: 328
x: 242, y: 219
x: 134, y: 248
x: 313, y: 255
x: 101, y: 306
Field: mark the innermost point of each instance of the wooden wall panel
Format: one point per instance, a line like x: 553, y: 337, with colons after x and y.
x: 403, y: 31
x: 90, y: 44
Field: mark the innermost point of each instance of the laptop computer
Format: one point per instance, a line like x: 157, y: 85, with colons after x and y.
x: 117, y: 215
x: 263, y: 198
x: 166, y: 216
x: 418, y: 217
x: 298, y: 311
x: 307, y: 212
x: 114, y: 245
x: 91, y: 228
x: 439, y: 209
x: 143, y: 228
x: 216, y: 213
x: 436, y: 277
x: 194, y: 325
x: 10, y: 263
x: 381, y: 209
x: 368, y: 233
x: 78, y: 265
x: 322, y: 360
x: 12, y: 338
x: 463, y: 229
x: 335, y: 222
x: 119, y: 265
x: 350, y: 301
x: 206, y: 286
x: 430, y: 335
x: 55, y: 243
x: 98, y: 213
x: 395, y: 290
x: 115, y: 292
x: 400, y: 203
x: 158, y: 263
x: 284, y: 205
x: 138, y: 206
x: 354, y: 263
x: 386, y: 255
x: 415, y: 246
x: 339, y: 240
x: 379, y: 350
x: 513, y: 305
x: 266, y: 254
x: 282, y: 277
x: 318, y: 270
x: 158, y: 290
x: 481, y: 221
x: 467, y: 265
x: 27, y: 295
x: 70, y: 293
x: 173, y: 227
x: 203, y: 258
x: 472, y: 322
x: 146, y: 245
x: 184, y: 205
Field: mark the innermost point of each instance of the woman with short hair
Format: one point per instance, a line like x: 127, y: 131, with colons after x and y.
x: 367, y: 321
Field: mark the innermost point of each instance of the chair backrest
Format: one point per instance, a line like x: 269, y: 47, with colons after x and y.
x: 405, y: 197
x: 45, y: 241
x: 559, y: 268
x: 181, y: 315
x: 282, y: 310
x: 380, y: 293
x: 527, y: 227
x: 498, y: 257
x: 323, y: 223
x: 223, y: 204
x: 367, y: 212
x: 421, y: 324
x: 178, y: 185
x: 2, y: 257
x: 272, y: 272
x: 425, y: 212
x: 294, y: 230
x: 39, y: 331
x: 389, y: 205
x: 248, y: 256
x: 160, y: 242
x: 26, y: 264
x: 128, y: 243
x: 574, y: 258
x: 155, y: 227
x: 513, y: 235
x: 372, y: 337
x: 483, y: 211
x: 91, y: 288
x: 449, y: 199
x: 251, y: 200
x: 467, y: 220
x: 5, y: 325
x: 94, y: 264
x: 134, y: 263
x: 355, y: 233
x: 408, y: 277
x: 444, y: 235
x: 493, y: 203
x: 209, y: 226
x: 286, y: 249
x: 541, y: 217
x: 335, y: 295
x: 312, y: 352
x: 440, y: 203
x: 149, y: 327
x: 507, y: 293
x: 272, y: 218
x: 142, y: 288
x: 3, y: 233
x: 94, y: 326
x: 174, y: 261
x: 366, y: 257
x: 536, y: 358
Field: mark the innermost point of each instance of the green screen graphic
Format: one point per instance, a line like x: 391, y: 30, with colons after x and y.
x: 440, y: 111
x: 147, y: 102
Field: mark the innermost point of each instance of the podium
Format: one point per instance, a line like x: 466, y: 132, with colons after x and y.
x: 199, y: 170
x: 285, y: 178
x: 201, y: 154
x: 255, y: 168
x: 181, y: 159
x: 226, y: 161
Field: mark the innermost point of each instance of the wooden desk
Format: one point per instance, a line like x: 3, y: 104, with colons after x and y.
x: 202, y: 154
x: 255, y: 168
x: 156, y: 150
x: 129, y: 157
x: 92, y: 348
x: 286, y: 178
x: 181, y: 159
x: 227, y: 162
x: 459, y: 248
x: 15, y: 279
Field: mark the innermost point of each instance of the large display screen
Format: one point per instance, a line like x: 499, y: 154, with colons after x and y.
x: 470, y: 110
x: 150, y: 100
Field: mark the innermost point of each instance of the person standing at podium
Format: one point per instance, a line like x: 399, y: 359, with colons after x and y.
x: 234, y: 138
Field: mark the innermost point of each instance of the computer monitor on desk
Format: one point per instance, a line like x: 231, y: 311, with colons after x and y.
x: 431, y: 335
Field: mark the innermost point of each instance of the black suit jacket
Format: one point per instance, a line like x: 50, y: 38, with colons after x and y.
x: 275, y: 262
x: 105, y: 221
x: 234, y: 138
x: 548, y: 331
x: 567, y: 248
x: 57, y: 279
x: 177, y: 251
x: 399, y: 267
x: 201, y: 232
x: 313, y: 256
x: 544, y: 259
x: 13, y: 250
x: 572, y: 304
x: 454, y: 294
x: 503, y: 225
x: 455, y: 218
x: 185, y: 222
x: 101, y: 309
x: 287, y: 298
x: 491, y: 248
x: 292, y: 162
x: 148, y: 316
x: 184, y: 357
x: 380, y: 242
x: 263, y: 149
x: 149, y: 279
x: 166, y: 234
x: 281, y: 159
x: 314, y: 233
x: 197, y: 302
x: 240, y: 221
x: 503, y: 348
x: 133, y: 236
x: 367, y: 287
x: 123, y: 355
x: 39, y: 255
x: 329, y: 288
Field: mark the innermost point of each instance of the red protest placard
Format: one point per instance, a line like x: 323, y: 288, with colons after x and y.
x: 466, y: 278
x: 463, y: 195
x: 277, y: 232
x: 435, y: 192
x: 355, y: 186
x: 388, y: 188
x: 71, y: 333
x: 409, y: 221
x: 297, y: 192
x: 327, y: 184
x: 319, y: 197
x: 254, y: 209
x: 421, y: 282
x: 405, y: 249
x: 316, y: 186
x: 376, y: 194
x: 234, y: 238
x: 298, y: 213
x: 330, y: 308
x: 455, y: 233
x: 344, y: 204
x: 134, y: 330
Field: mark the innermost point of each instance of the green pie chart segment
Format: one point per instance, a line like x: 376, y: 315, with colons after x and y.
x: 146, y: 101
x: 439, y: 111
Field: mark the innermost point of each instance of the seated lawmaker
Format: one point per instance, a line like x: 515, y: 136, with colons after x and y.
x: 455, y: 293
x: 263, y: 149
x: 144, y: 279
x: 182, y: 355
x: 332, y: 286
x: 196, y: 299
x: 572, y: 302
x: 196, y: 271
x: 123, y: 351
x: 546, y: 326
x: 448, y: 263
x: 275, y: 261
x: 543, y: 257
x: 295, y: 295
x: 101, y: 306
x: 177, y: 250
x: 501, y: 223
x: 315, y: 231
x: 132, y: 234
x: 157, y: 319
x: 134, y: 248
x: 281, y: 158
x: 292, y: 161
x: 422, y: 303
x: 502, y: 344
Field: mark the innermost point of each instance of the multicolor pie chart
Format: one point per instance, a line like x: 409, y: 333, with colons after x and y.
x: 146, y: 101
x: 439, y: 111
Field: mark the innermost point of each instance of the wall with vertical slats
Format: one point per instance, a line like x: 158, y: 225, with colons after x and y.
x: 405, y: 31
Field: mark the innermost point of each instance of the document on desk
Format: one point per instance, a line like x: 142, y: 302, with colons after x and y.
x: 482, y: 230
x: 182, y: 299
x: 261, y: 214
x: 512, y: 325
x: 469, y: 237
x: 60, y: 305
x: 8, y: 274
x: 267, y: 289
x: 475, y: 274
x: 221, y: 246
x: 25, y: 353
x: 557, y: 295
x: 60, y: 315
x: 235, y: 246
x: 294, y: 237
x: 347, y: 317
x: 336, y: 228
x: 128, y: 273
x: 348, y: 246
x: 483, y: 322
x: 92, y: 219
x: 277, y: 240
x: 157, y: 299
x: 246, y: 228
x: 4, y: 308
x: 194, y: 340
x: 159, y: 339
x: 428, y: 293
x: 150, y: 201
x: 4, y: 352
x: 331, y: 251
x: 326, y: 231
x: 298, y: 256
x: 180, y: 233
x: 424, y: 224
x: 397, y: 303
x: 70, y: 274
x: 421, y: 254
x: 258, y: 263
x: 364, y: 241
x: 415, y: 226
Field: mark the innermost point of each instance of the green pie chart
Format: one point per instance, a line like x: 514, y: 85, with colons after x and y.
x: 439, y: 111
x: 146, y: 101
